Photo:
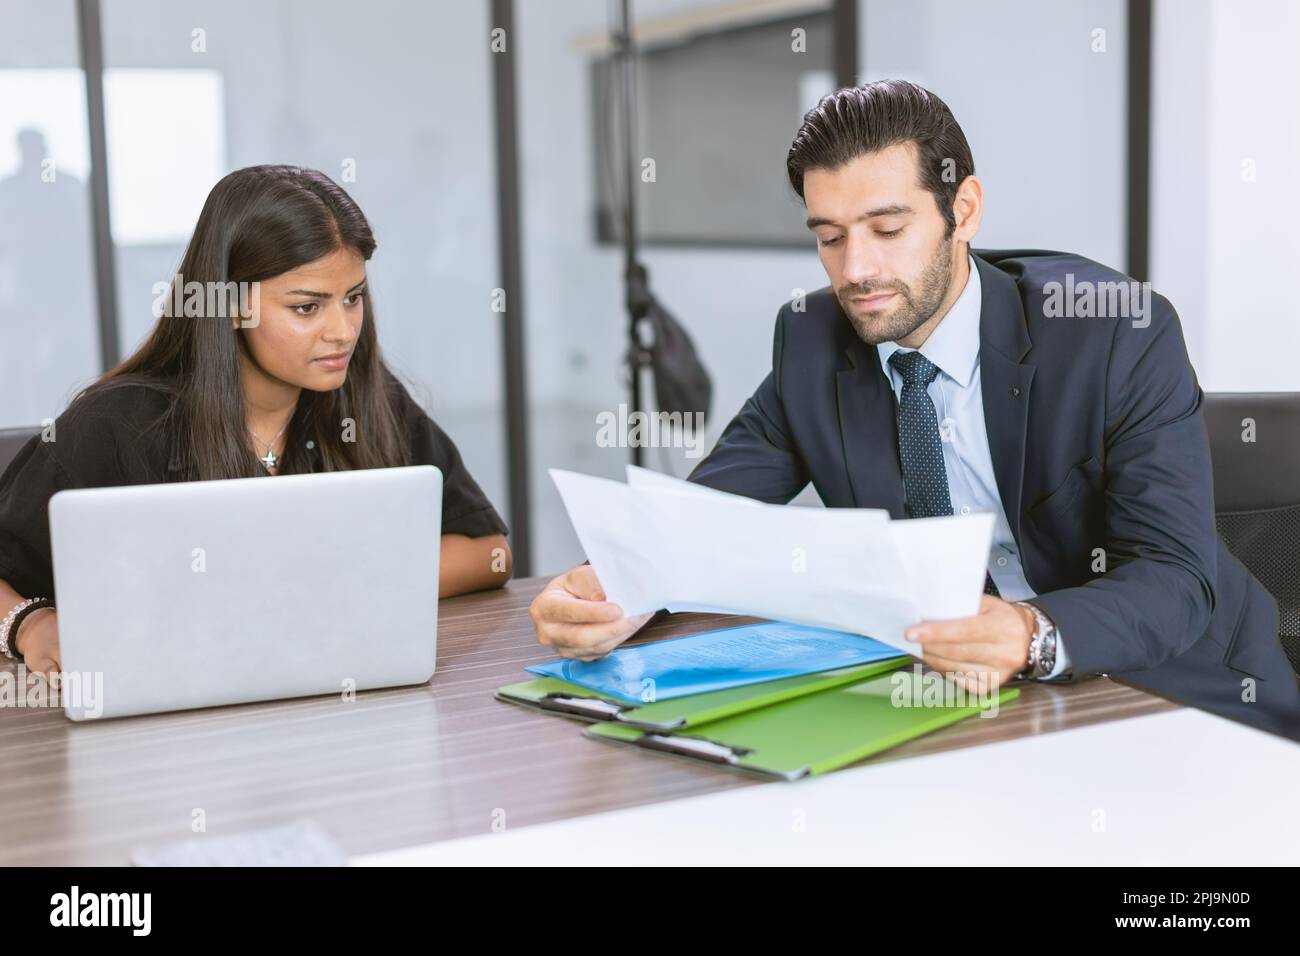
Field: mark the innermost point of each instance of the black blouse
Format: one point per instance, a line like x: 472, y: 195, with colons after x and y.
x: 107, y: 439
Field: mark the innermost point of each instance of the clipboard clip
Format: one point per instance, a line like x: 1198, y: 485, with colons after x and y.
x: 593, y: 707
x: 700, y: 747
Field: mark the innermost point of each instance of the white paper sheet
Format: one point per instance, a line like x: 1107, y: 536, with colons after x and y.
x: 661, y: 542
x: 639, y: 477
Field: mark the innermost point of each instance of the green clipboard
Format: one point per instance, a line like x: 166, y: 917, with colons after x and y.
x: 573, y: 700
x: 815, y: 733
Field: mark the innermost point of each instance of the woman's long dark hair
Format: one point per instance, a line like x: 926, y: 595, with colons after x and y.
x: 257, y: 223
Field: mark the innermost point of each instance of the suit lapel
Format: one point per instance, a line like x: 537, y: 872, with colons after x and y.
x: 1005, y: 384
x: 869, y: 430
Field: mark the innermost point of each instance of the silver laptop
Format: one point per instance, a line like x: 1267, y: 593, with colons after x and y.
x: 195, y: 594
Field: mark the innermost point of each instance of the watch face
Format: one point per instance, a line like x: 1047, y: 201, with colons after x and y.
x: 1048, y: 656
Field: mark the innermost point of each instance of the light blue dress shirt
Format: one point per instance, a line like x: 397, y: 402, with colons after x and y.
x: 954, y: 346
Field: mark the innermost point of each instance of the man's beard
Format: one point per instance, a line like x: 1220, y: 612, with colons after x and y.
x: 917, y: 306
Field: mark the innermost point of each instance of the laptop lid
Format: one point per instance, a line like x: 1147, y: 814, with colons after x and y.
x: 202, y: 593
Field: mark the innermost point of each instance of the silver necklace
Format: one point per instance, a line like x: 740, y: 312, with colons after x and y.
x: 269, y: 459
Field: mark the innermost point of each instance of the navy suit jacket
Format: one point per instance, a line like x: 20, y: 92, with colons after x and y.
x: 1100, y: 454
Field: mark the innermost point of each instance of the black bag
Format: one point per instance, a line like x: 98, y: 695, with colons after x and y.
x: 682, y: 384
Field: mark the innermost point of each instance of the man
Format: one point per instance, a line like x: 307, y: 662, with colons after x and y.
x: 929, y: 380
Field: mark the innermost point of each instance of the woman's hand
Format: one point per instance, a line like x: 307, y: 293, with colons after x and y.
x: 38, y: 641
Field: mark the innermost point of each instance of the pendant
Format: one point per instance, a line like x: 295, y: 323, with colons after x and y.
x: 268, y: 459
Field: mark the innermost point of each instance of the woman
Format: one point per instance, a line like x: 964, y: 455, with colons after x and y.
x: 264, y: 362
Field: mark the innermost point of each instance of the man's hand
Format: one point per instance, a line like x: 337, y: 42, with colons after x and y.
x: 994, y: 641
x: 572, y: 615
x: 38, y: 641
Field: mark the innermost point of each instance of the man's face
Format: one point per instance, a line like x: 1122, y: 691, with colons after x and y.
x: 882, y: 242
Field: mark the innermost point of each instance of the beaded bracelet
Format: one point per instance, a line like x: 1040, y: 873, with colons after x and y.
x: 9, y: 626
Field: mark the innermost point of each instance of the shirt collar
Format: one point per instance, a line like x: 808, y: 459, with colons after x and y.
x: 954, y: 345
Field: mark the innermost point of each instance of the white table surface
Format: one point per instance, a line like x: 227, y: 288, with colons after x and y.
x: 1183, y: 787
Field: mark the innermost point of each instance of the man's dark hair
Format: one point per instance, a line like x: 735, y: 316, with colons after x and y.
x: 865, y: 119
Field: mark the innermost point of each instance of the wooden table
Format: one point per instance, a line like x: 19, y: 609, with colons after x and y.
x: 394, y: 767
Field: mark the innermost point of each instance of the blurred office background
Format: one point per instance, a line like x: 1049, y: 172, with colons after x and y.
x: 1158, y: 137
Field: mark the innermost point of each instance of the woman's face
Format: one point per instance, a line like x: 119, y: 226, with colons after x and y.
x: 306, y: 322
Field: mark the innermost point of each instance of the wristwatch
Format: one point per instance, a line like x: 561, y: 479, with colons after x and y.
x: 1042, y: 646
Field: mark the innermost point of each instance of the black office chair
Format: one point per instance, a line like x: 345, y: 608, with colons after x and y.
x: 11, y: 440
x: 1257, y: 494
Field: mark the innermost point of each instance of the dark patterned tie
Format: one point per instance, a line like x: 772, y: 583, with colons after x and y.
x: 924, y: 478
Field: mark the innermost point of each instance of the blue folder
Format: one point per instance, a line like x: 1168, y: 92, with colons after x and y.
x: 716, y: 660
